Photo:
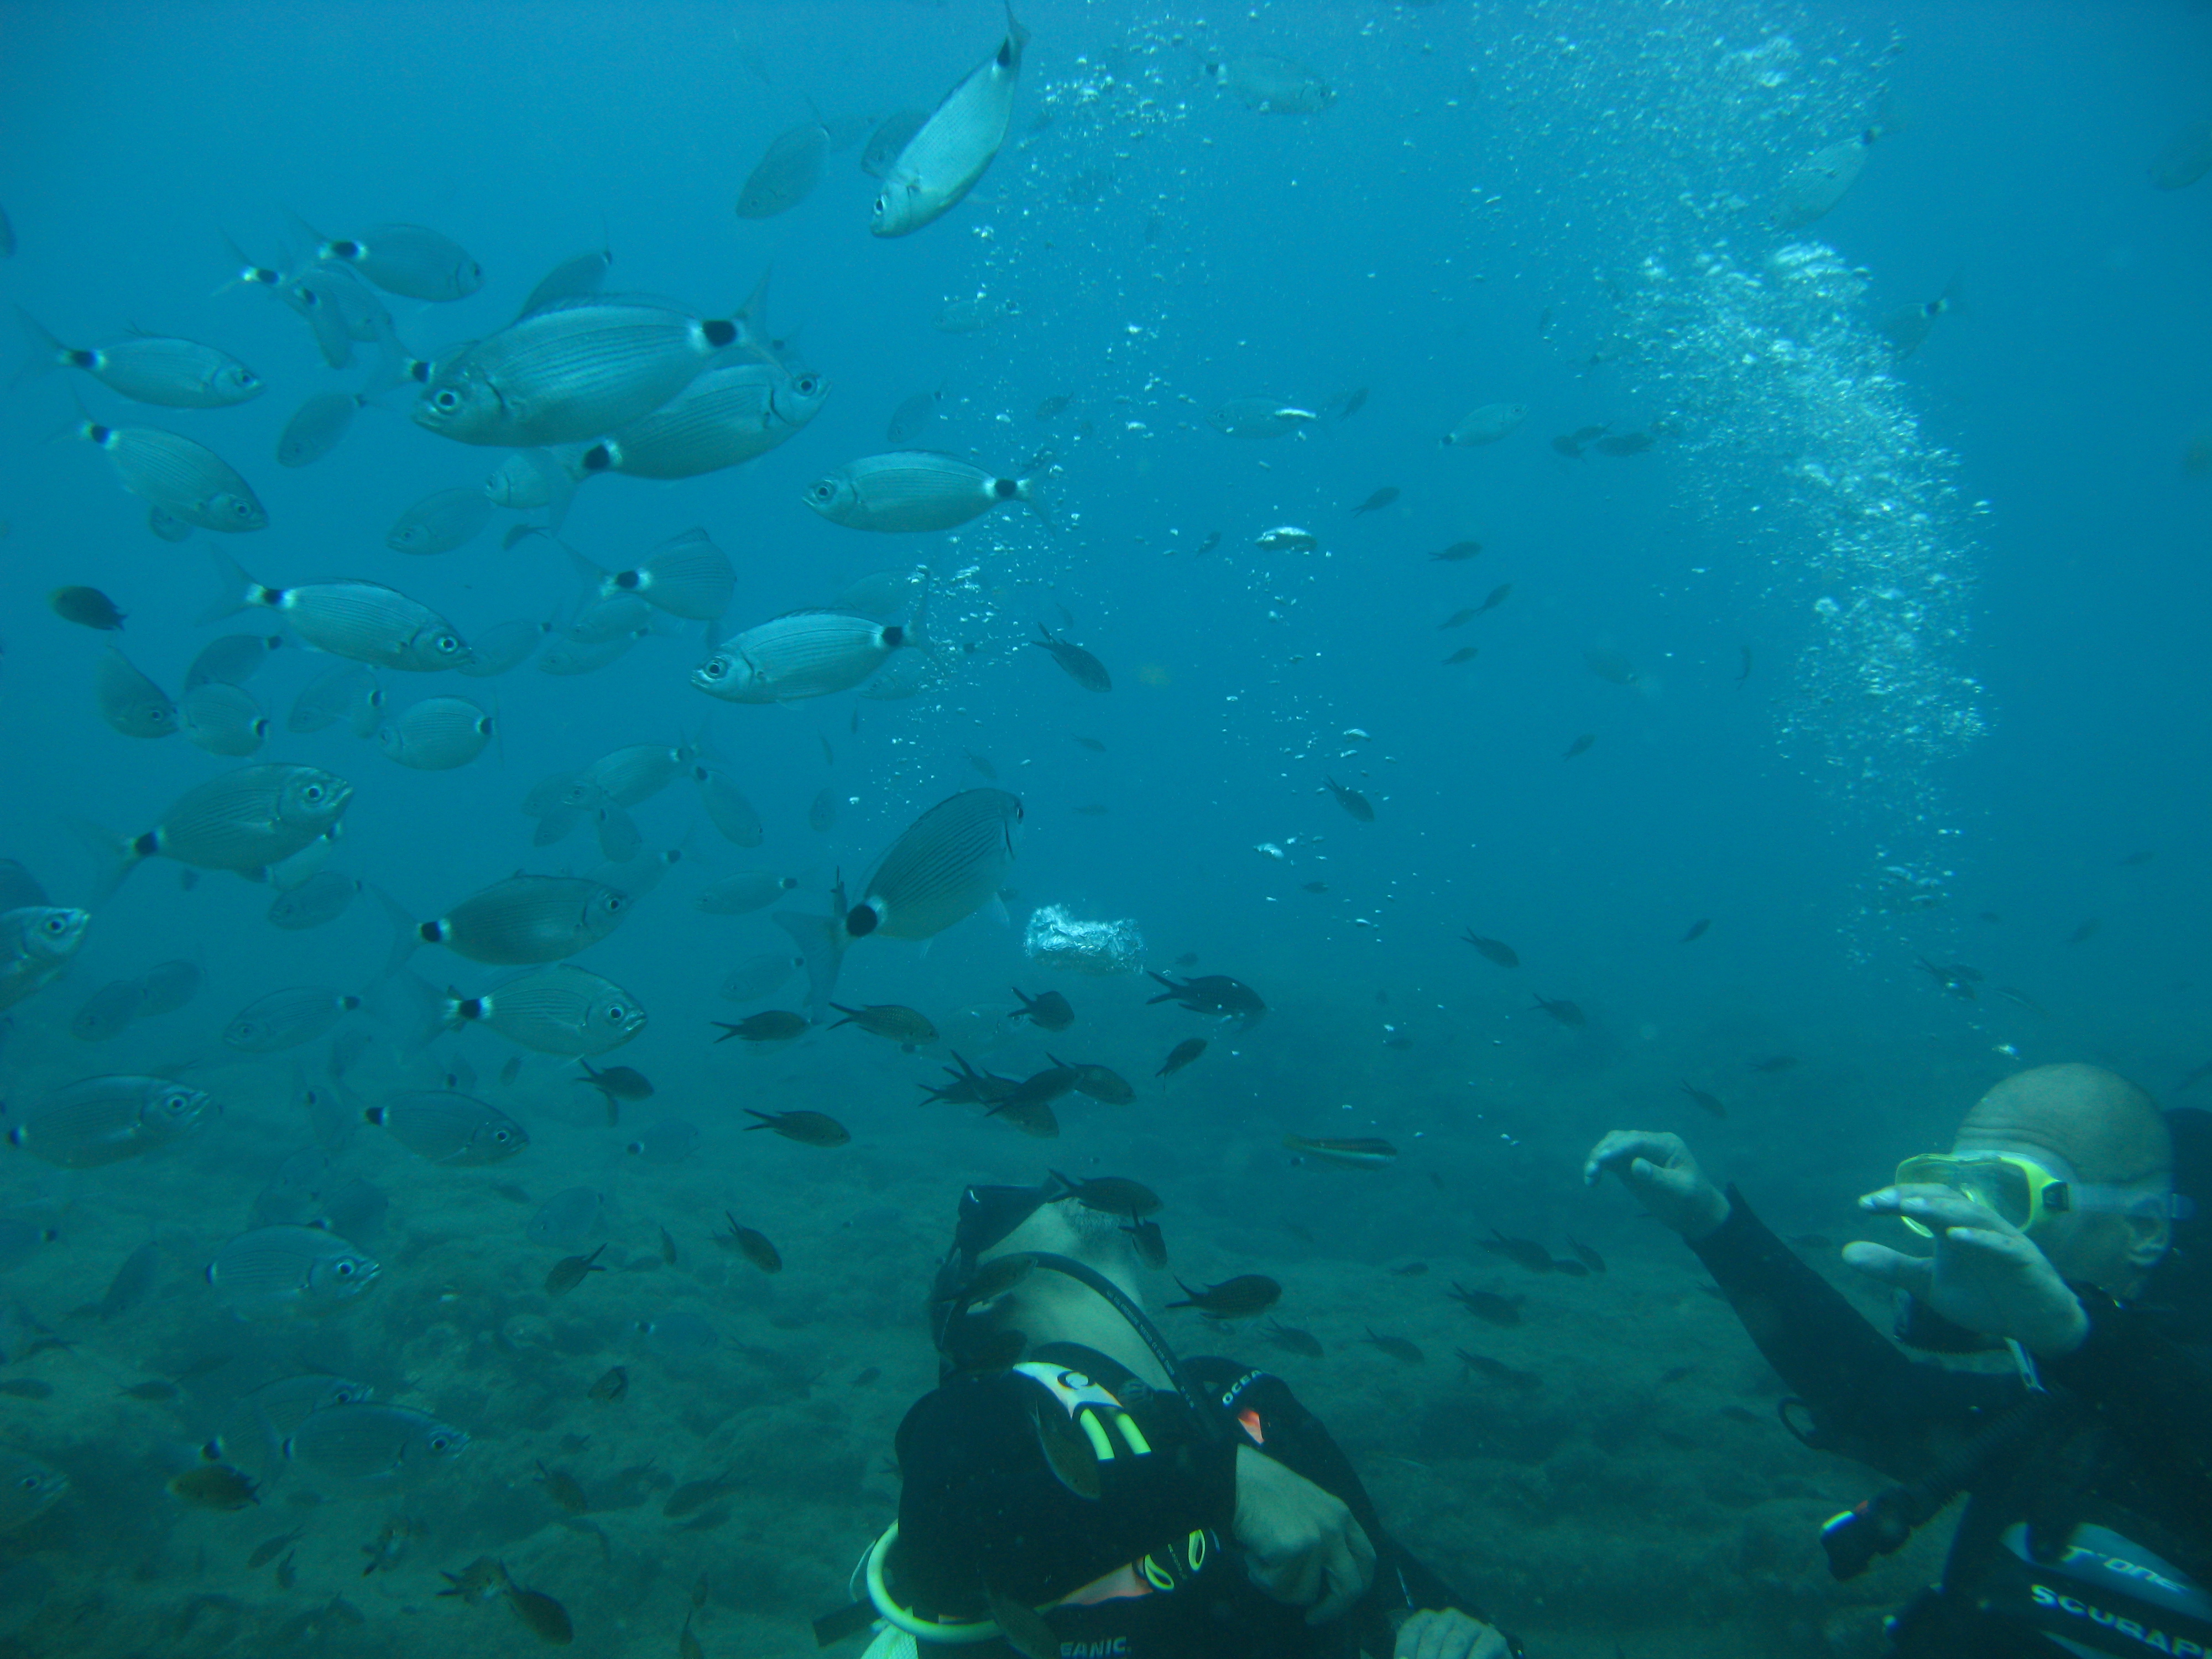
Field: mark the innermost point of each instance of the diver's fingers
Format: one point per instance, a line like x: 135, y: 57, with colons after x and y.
x: 1622, y: 1147
x: 1345, y: 1586
x: 2012, y: 1249
x: 1888, y: 1266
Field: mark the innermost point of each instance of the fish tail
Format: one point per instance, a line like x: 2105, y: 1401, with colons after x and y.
x: 821, y: 941
x: 47, y: 353
x: 317, y: 242
x: 751, y: 317
x: 118, y: 855
x: 244, y: 270
x: 405, y: 935
x: 238, y: 591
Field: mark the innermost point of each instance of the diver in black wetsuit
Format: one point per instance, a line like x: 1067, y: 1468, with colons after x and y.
x: 2063, y: 1228
x: 1072, y: 1488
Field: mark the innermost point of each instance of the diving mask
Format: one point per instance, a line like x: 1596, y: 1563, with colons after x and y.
x: 2024, y: 1191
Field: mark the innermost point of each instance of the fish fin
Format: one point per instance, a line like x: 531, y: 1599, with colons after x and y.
x: 821, y: 942
x: 47, y: 353
x: 750, y: 318
x: 405, y: 935
x: 996, y: 909
x: 237, y: 592
x: 315, y: 239
x: 118, y: 855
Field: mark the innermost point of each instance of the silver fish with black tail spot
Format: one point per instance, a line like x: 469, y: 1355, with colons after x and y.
x: 148, y: 368
x: 36, y: 944
x: 244, y: 820
x: 105, y: 1120
x: 950, y: 862
x: 909, y: 490
x: 363, y: 621
x: 574, y: 370
x: 806, y: 653
x: 725, y: 418
x: 942, y: 162
x: 561, y: 1011
x: 186, y: 480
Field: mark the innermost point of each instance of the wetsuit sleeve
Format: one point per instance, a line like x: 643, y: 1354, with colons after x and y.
x: 2148, y: 1391
x: 979, y: 1504
x: 1869, y: 1401
x: 1285, y: 1431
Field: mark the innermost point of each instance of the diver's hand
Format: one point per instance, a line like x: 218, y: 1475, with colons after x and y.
x: 1448, y: 1635
x: 1666, y: 1179
x: 1986, y: 1274
x: 1301, y: 1545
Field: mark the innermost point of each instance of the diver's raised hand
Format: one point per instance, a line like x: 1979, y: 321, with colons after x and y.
x: 1301, y: 1544
x: 1986, y: 1274
x: 1666, y: 1179
x: 1449, y: 1634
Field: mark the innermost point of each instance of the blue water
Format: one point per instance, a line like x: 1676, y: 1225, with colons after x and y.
x: 1562, y: 205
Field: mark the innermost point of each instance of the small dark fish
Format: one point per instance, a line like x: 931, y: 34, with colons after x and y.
x: 546, y: 1619
x: 694, y: 1495
x: 88, y: 607
x: 1522, y: 1252
x: 1313, y: 887
x: 1210, y: 993
x: 1101, y: 1083
x: 2087, y: 931
x: 1352, y: 800
x: 618, y: 1081
x: 1581, y: 745
x: 477, y: 1583
x: 269, y: 1548
x: 1213, y: 540
x: 1571, y: 1269
x: 867, y: 1374
x: 612, y: 1386
x: 773, y: 1025
x: 1092, y: 744
x: 1589, y: 1257
x: 1958, y: 979
x: 1291, y: 1340
x: 1624, y: 443
x: 1048, y: 1010
x: 1463, y: 615
x: 26, y: 1388
x: 1496, y: 1369
x: 1610, y: 667
x: 687, y: 1644
x: 751, y: 1245
x: 1188, y: 959
x: 1030, y: 1114
x: 569, y: 1271
x: 1571, y: 444
x: 1465, y: 653
x: 562, y: 1488
x: 1493, y: 950
x: 1567, y: 1013
x: 1676, y: 1374
x: 1488, y: 1305
x: 1232, y: 1298
x: 1457, y: 551
x: 1709, y: 1103
x: 1067, y: 1451
x: 1182, y: 1056
x: 667, y: 1248
x: 1744, y: 673
x: 1112, y: 1195
x: 1375, y: 503
x: 1150, y: 1243
x: 1410, y: 1270
x: 1697, y: 929
x: 1398, y: 1348
x: 1085, y: 670
x: 807, y: 1128
x: 1024, y: 1628
x: 214, y: 1487
x: 159, y: 1389
x: 1774, y: 1063
x: 1496, y: 597
x: 891, y: 1021
x: 1054, y: 405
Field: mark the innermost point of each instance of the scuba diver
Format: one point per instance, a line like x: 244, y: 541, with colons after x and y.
x: 1073, y: 1490
x: 2062, y: 1230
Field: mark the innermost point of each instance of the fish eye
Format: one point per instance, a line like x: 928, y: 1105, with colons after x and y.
x: 447, y: 400
x: 448, y: 644
x: 501, y: 1136
x: 58, y: 926
x: 28, y: 1483
x: 808, y: 383
x: 714, y: 668
x: 618, y: 1013
x: 344, y: 1270
x: 311, y: 793
x: 883, y: 203
x: 439, y: 1443
x: 823, y: 490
